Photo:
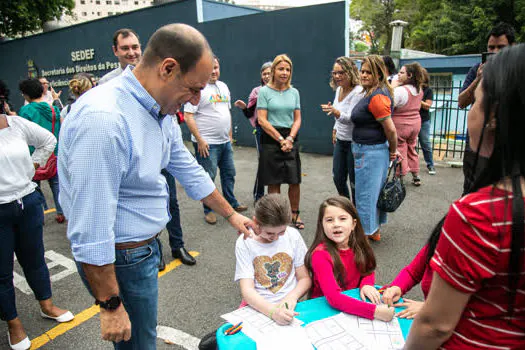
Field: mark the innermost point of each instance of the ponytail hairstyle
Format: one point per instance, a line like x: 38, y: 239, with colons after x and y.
x: 273, y: 210
x: 363, y: 254
x: 415, y: 75
x: 80, y: 84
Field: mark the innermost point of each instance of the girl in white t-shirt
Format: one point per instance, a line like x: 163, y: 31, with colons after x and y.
x: 270, y: 264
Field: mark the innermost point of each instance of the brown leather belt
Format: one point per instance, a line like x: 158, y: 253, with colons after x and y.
x: 131, y: 245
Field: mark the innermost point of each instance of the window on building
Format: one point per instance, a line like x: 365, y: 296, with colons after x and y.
x: 84, y: 14
x: 82, y: 2
x: 108, y: 2
x: 136, y: 2
x: 117, y: 2
x: 441, y: 83
x: 97, y: 2
x: 99, y: 13
x: 110, y: 13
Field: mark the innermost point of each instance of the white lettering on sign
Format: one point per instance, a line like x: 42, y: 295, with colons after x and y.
x: 56, y: 259
x: 82, y: 55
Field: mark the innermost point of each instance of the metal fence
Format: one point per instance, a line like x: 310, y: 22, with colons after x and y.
x: 448, y: 132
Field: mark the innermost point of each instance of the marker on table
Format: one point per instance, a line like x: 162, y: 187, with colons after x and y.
x: 286, y: 305
x: 232, y: 328
x: 235, y: 330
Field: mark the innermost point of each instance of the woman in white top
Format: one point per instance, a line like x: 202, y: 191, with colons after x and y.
x: 348, y: 92
x: 21, y: 222
x: 407, y: 103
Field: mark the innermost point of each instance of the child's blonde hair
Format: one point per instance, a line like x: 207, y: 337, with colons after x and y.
x: 273, y: 210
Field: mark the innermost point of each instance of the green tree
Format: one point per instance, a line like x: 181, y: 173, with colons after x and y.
x: 18, y: 17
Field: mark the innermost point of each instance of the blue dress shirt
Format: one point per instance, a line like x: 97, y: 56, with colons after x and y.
x: 113, y: 145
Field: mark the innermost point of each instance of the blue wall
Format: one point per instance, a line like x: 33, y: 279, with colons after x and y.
x: 312, y: 36
x: 212, y: 10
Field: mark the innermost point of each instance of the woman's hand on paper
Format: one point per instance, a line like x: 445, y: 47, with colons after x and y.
x: 412, y: 308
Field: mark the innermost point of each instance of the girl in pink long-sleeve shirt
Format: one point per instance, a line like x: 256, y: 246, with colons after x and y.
x: 341, y: 258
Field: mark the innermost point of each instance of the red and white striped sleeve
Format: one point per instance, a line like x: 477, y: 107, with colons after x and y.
x: 467, y: 253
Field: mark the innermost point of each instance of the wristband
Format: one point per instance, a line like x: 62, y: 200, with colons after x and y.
x: 227, y: 217
x: 290, y: 138
x: 272, y: 311
x: 281, y: 138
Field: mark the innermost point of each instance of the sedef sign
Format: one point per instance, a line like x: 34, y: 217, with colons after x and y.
x: 82, y: 55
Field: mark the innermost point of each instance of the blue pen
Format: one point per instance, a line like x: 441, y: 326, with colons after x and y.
x: 232, y: 328
x: 236, y: 330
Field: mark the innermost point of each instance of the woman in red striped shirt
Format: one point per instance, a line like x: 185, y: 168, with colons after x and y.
x: 477, y: 295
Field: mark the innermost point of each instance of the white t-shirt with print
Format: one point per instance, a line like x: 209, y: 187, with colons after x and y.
x: 271, y: 265
x: 212, y: 114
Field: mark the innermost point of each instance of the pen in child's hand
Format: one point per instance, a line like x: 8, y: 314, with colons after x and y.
x: 286, y: 305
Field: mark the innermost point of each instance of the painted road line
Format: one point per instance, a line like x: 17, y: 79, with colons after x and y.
x: 88, y: 313
x: 52, y: 210
x: 176, y: 337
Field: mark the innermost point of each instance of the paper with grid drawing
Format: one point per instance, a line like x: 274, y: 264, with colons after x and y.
x: 255, y: 324
x: 344, y: 331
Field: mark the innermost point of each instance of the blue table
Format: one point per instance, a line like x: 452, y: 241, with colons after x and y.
x: 309, y: 311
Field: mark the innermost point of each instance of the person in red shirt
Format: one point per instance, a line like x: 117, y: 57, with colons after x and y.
x: 477, y: 295
x: 341, y: 258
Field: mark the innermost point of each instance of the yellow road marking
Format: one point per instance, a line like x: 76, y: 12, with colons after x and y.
x: 88, y: 313
x: 52, y: 210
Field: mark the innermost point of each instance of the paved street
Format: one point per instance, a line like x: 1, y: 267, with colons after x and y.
x: 191, y: 299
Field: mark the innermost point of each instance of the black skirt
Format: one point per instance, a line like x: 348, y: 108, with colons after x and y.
x: 275, y: 166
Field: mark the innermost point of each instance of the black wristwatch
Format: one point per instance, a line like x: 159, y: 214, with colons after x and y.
x: 112, y: 303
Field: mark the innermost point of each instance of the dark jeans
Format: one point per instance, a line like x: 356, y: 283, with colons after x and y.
x: 21, y: 232
x: 424, y: 142
x: 173, y: 226
x: 137, y: 271
x: 343, y: 168
x: 53, y: 183
x: 258, y: 187
x: 469, y: 157
x: 220, y: 156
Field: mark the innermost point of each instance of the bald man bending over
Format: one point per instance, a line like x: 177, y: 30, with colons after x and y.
x: 114, y: 144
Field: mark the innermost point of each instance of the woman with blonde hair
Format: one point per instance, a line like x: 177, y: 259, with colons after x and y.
x: 407, y: 100
x: 279, y: 115
x: 374, y: 143
x: 345, y: 81
x: 80, y: 83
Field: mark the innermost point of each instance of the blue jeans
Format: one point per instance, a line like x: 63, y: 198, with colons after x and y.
x: 173, y: 226
x: 21, y: 232
x: 371, y: 168
x: 343, y: 168
x: 258, y: 187
x: 137, y: 271
x: 424, y: 142
x: 221, y: 156
x: 53, y: 183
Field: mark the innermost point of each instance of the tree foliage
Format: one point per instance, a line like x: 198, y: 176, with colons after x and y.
x: 18, y: 17
x: 441, y: 26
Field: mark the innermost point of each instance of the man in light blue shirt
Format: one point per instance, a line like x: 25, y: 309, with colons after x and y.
x: 114, y: 143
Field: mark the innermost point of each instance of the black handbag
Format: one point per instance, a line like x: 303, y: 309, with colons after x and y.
x: 393, y: 192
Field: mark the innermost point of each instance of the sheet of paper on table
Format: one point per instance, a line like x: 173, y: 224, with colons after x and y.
x: 348, y: 332
x: 258, y: 326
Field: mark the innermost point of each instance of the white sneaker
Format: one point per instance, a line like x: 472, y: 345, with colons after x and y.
x: 431, y: 170
x: 22, y: 345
